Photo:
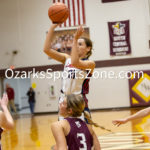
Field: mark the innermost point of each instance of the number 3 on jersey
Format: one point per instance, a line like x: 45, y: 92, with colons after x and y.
x: 82, y: 141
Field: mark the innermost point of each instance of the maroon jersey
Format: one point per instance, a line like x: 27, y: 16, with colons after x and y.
x: 10, y: 93
x: 1, y: 130
x: 79, y: 136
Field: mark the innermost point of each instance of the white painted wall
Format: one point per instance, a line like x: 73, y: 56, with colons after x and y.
x: 23, y: 27
x: 24, y: 24
x: 112, y: 93
x: 44, y: 101
x: 134, y: 10
x: 104, y: 93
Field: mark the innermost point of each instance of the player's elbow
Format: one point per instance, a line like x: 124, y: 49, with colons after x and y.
x: 10, y: 126
x: 45, y: 50
x: 148, y: 111
x: 74, y: 63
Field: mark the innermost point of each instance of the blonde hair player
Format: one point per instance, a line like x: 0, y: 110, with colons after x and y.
x: 75, y: 65
x: 6, y: 120
x: 72, y: 133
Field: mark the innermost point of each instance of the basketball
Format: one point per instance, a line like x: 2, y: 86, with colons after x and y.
x: 58, y: 12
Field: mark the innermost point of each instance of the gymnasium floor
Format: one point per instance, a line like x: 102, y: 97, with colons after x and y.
x: 34, y: 133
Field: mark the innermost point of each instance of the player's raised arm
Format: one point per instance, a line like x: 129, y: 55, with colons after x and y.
x: 61, y: 57
x: 82, y: 49
x: 6, y: 120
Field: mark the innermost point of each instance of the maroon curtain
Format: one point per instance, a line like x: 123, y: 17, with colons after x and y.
x: 107, y: 1
x: 119, y: 36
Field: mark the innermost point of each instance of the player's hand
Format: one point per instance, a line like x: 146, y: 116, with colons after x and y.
x: 54, y: 25
x: 79, y: 32
x: 118, y: 122
x: 4, y: 100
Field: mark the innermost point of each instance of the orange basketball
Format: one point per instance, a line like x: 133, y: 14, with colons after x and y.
x: 58, y: 12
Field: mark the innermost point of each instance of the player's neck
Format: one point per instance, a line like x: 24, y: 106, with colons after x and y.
x: 73, y: 117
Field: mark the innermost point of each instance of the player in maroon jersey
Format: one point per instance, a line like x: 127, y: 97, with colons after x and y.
x: 72, y: 132
x: 6, y: 120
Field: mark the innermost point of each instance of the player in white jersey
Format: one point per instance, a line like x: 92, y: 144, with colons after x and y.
x: 77, y: 66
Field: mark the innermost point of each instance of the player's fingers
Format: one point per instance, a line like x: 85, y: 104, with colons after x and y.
x: 4, y: 96
x: 114, y: 122
x: 81, y: 28
x: 118, y: 124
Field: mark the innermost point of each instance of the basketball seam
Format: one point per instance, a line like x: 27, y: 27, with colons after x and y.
x: 57, y: 12
x: 64, y: 16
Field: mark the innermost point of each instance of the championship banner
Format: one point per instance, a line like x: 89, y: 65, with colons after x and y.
x: 119, y: 38
x: 108, y: 1
x: 139, y: 88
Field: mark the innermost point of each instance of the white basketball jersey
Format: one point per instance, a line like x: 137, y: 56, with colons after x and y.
x: 74, y: 80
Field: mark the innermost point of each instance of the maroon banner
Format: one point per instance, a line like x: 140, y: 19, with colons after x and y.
x: 107, y: 1
x: 139, y: 88
x: 119, y: 38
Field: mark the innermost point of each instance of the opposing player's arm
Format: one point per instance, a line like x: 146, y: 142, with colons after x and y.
x: 140, y: 114
x: 6, y: 120
x: 61, y: 57
x: 96, y: 143
x: 59, y: 136
x: 5, y: 123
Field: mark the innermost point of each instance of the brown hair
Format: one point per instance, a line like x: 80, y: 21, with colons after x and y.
x: 77, y: 104
x: 88, y: 43
x: 90, y: 121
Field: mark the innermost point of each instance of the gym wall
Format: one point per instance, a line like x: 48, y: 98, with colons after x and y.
x: 24, y: 25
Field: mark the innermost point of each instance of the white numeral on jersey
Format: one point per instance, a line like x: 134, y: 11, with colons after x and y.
x: 82, y: 141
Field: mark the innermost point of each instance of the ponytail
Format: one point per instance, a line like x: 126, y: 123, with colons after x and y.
x: 90, y: 121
